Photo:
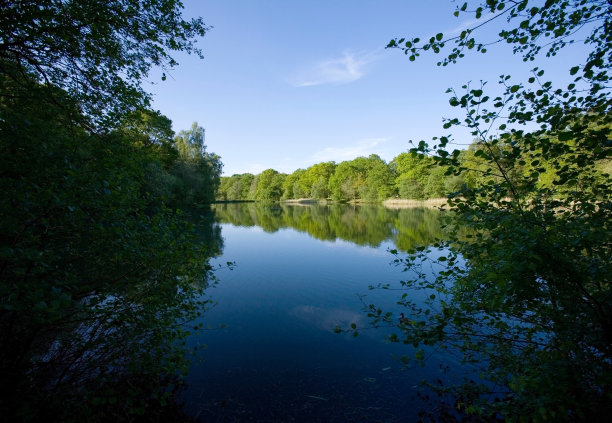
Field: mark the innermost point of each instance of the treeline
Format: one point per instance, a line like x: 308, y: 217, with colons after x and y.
x: 407, y: 176
x: 364, y: 178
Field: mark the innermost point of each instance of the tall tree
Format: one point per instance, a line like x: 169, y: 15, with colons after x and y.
x: 269, y: 185
x: 412, y: 172
x: 317, y: 178
x: 198, y: 171
x: 190, y: 143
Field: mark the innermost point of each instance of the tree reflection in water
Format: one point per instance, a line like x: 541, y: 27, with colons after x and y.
x: 363, y: 224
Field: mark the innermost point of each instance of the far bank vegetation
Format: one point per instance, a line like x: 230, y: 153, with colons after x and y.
x: 408, y: 179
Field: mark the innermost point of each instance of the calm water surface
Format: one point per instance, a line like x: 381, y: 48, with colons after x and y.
x: 300, y: 271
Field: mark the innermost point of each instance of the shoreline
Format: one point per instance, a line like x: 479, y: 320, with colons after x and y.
x: 390, y: 203
x: 431, y: 203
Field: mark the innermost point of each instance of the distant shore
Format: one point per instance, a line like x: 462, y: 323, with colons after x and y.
x: 306, y: 201
x: 399, y: 203
x: 391, y: 203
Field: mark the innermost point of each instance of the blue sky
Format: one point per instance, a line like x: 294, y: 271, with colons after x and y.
x: 287, y: 84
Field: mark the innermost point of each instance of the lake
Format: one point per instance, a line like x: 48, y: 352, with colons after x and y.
x: 302, y: 270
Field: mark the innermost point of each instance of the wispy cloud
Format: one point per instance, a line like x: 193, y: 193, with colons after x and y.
x: 363, y: 147
x: 470, y: 23
x: 461, y: 27
x: 348, y: 68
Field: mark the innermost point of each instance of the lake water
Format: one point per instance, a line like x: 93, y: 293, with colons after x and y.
x: 300, y: 271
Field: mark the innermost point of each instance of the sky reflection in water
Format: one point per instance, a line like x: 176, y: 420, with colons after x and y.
x: 278, y: 357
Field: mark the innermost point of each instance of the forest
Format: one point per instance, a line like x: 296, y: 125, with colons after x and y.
x: 410, y: 175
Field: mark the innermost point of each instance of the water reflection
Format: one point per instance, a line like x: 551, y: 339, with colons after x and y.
x: 106, y: 342
x: 328, y: 318
x: 300, y: 272
x: 368, y: 225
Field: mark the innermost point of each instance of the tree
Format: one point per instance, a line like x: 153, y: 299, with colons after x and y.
x: 252, y: 193
x: 320, y: 190
x: 198, y: 171
x: 269, y: 185
x: 317, y: 178
x: 190, y: 143
x: 525, y: 295
x: 97, y: 275
x: 379, y: 179
x: 246, y: 179
x: 98, y: 52
x: 412, y: 171
x: 367, y: 178
x: 294, y: 185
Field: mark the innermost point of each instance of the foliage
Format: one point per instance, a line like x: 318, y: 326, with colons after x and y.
x: 526, y: 296
x: 89, y: 291
x: 151, y: 130
x: 197, y: 171
x: 317, y: 178
x: 269, y: 186
x: 294, y: 185
x: 411, y: 171
x: 368, y: 179
x: 99, y: 275
x: 98, y: 52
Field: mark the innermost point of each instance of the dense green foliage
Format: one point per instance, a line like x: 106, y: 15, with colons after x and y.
x: 413, y: 175
x: 99, y: 52
x: 364, y: 178
x: 99, y: 270
x: 525, y: 298
x: 362, y: 224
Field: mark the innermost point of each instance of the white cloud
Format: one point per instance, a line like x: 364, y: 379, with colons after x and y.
x: 461, y: 27
x: 348, y: 68
x: 470, y: 23
x: 363, y: 147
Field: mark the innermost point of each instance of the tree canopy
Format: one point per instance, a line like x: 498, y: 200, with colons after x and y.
x: 98, y: 52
